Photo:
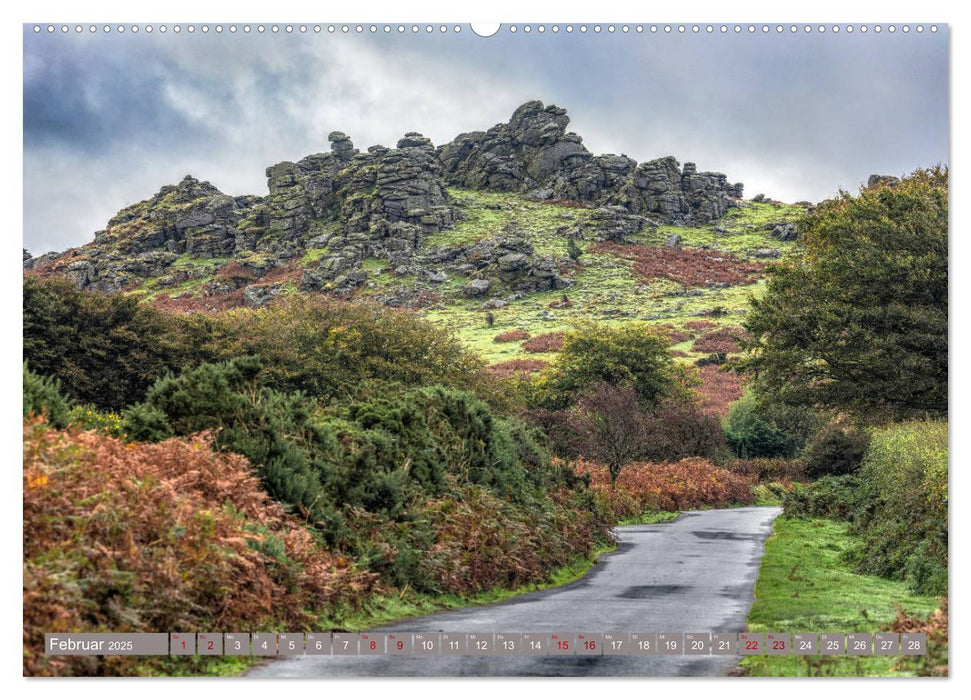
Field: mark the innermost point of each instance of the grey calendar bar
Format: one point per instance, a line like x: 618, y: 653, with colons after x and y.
x: 486, y: 644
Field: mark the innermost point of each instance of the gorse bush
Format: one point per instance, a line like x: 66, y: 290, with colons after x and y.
x: 274, y: 431
x: 89, y: 418
x: 329, y: 349
x: 904, y: 517
x: 42, y: 397
x: 107, y: 350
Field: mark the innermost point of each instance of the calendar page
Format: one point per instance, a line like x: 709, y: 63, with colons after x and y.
x: 438, y: 349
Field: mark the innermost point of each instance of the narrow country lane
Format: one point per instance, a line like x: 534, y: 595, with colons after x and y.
x: 696, y: 574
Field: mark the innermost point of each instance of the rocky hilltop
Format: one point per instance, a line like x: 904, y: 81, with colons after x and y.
x: 329, y: 212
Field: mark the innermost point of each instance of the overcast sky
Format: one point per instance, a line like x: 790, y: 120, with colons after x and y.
x: 109, y: 119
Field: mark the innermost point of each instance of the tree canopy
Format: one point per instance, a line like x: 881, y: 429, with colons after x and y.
x: 630, y: 355
x: 858, y: 321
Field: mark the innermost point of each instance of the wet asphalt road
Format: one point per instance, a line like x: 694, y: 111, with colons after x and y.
x: 696, y: 574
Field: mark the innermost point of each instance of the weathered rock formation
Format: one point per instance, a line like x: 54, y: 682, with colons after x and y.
x: 534, y: 154
x: 346, y: 206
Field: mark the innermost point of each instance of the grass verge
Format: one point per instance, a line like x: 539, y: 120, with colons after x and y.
x: 806, y: 585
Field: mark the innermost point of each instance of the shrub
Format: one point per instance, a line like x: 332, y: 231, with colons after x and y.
x: 472, y: 541
x: 329, y: 348
x: 904, y: 518
x: 147, y: 538
x: 835, y: 451
x: 678, y: 429
x: 426, y: 433
x: 510, y: 336
x: 89, y: 418
x: 751, y: 434
x: 573, y: 249
x: 274, y: 431
x: 546, y: 342
x: 42, y: 397
x: 836, y: 497
x: 358, y: 472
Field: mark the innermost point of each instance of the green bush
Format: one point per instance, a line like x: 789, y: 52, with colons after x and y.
x: 362, y: 472
x: 750, y: 433
x: 431, y: 432
x: 835, y: 451
x: 42, y: 396
x: 904, y: 519
x: 836, y: 497
x: 107, y: 350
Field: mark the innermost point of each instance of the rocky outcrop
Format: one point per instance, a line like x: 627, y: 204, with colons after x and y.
x: 782, y: 230
x: 613, y: 223
x: 192, y: 217
x: 344, y: 206
x: 389, y: 199
x: 877, y: 180
x: 534, y: 154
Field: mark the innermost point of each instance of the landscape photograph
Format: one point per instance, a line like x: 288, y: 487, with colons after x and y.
x: 612, y: 350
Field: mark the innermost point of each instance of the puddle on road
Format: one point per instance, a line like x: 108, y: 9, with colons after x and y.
x: 640, y: 592
x: 726, y: 535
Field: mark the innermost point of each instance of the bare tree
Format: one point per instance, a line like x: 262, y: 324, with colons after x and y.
x: 608, y: 424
